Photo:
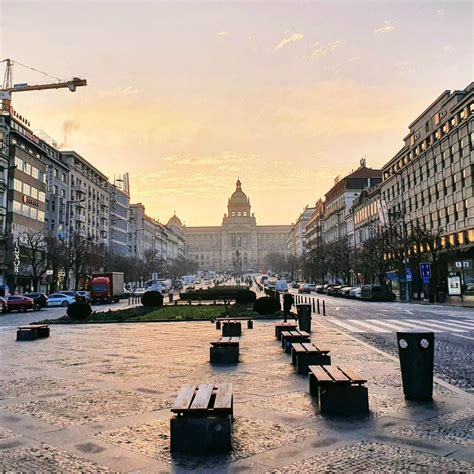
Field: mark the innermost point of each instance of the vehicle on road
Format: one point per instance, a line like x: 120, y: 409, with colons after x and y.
x: 60, y: 299
x: 281, y: 285
x: 319, y: 289
x: 40, y: 299
x: 307, y: 288
x: 4, y: 304
x: 355, y: 292
x: 138, y: 292
x: 346, y: 291
x: 106, y: 287
x: 83, y: 295
x: 295, y: 285
x: 19, y: 303
x: 126, y: 293
x: 333, y: 290
x: 67, y: 292
x: 376, y: 293
x: 177, y: 285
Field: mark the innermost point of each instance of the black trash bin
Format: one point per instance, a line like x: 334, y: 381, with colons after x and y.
x: 416, y: 352
x: 441, y: 297
x: 304, y: 317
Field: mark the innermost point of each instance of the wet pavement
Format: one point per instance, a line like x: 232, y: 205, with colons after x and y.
x: 97, y: 398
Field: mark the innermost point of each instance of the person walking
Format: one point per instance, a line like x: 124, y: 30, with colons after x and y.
x: 288, y: 301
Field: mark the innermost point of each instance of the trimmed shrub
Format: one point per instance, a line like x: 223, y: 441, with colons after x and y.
x: 245, y: 296
x: 266, y: 305
x: 152, y: 298
x: 214, y: 293
x: 79, y: 311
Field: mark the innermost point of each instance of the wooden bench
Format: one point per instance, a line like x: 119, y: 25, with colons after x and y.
x: 284, y: 327
x: 225, y: 350
x: 289, y: 337
x: 219, y: 321
x: 203, y: 419
x: 231, y: 328
x: 32, y: 332
x: 338, y: 390
x: 304, y: 354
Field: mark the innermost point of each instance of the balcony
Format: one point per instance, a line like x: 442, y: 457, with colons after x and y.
x: 79, y: 188
x: 80, y: 218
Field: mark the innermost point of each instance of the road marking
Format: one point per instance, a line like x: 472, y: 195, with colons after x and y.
x: 345, y: 325
x: 455, y: 324
x: 437, y: 325
x: 395, y: 326
x: 465, y: 337
x: 367, y: 325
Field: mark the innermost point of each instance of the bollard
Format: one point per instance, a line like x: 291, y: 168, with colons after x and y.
x: 176, y: 302
x: 304, y: 317
x: 324, y: 308
x: 317, y: 300
x: 218, y: 324
x: 128, y: 300
x: 249, y: 324
x: 314, y: 306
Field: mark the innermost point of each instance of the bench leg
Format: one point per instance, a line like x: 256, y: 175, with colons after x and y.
x: 338, y: 399
x: 304, y: 360
x: 224, y: 354
x: 201, y: 434
x: 43, y: 332
x: 313, y: 386
x: 218, y: 324
x: 30, y: 335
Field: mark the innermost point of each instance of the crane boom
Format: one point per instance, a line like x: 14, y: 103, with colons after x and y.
x: 71, y: 85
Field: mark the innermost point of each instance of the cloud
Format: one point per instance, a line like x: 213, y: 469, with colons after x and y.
x: 293, y: 38
x: 440, y: 12
x: 223, y: 33
x: 386, y: 28
x: 322, y: 50
x: 129, y: 91
x: 448, y: 49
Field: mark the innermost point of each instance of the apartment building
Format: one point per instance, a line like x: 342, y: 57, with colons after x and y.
x: 120, y: 215
x: 299, y: 229
x: 88, y: 204
x: 314, y: 226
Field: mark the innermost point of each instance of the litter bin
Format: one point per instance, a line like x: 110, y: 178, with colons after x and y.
x: 416, y: 353
x: 304, y: 317
x: 441, y: 297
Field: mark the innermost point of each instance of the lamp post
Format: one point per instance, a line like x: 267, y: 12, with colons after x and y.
x: 404, y: 238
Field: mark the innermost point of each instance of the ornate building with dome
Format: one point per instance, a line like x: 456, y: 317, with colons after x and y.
x: 238, y: 244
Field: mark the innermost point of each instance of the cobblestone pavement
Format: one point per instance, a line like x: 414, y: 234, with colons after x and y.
x: 97, y: 398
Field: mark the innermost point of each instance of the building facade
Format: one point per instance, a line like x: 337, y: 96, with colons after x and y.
x: 119, y: 215
x: 238, y: 244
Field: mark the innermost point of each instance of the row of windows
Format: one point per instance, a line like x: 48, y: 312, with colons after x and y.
x: 369, y: 210
x: 28, y: 211
x: 29, y: 169
x: 431, y: 140
x: 28, y: 190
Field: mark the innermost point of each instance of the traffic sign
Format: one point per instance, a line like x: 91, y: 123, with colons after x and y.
x: 425, y: 270
x: 408, y: 274
x: 426, y: 280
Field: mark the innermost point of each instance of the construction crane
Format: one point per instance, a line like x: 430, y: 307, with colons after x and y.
x: 8, y: 86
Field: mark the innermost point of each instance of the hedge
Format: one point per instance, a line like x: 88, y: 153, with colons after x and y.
x: 79, y: 310
x: 214, y: 293
x: 266, y: 305
x: 152, y: 298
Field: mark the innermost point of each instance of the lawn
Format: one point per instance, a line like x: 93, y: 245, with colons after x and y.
x: 183, y: 312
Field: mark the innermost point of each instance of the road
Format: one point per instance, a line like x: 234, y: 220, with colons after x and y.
x: 377, y: 324
x: 17, y: 319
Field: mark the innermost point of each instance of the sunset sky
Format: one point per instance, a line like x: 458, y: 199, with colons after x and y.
x: 186, y: 97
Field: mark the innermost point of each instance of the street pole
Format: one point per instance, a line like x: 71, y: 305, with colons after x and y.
x: 405, y: 240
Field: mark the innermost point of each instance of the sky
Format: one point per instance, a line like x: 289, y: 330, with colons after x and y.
x: 187, y: 97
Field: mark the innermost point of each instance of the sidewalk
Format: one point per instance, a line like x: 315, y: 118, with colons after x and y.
x: 97, y: 398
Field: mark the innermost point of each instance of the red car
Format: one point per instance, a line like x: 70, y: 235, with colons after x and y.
x: 19, y: 303
x: 3, y: 304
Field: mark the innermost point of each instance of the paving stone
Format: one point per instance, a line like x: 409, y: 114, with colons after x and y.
x: 376, y: 457
x: 43, y: 458
x: 92, y: 407
x: 293, y: 403
x: 7, y: 434
x: 250, y: 436
x: 456, y: 427
x: 35, y: 386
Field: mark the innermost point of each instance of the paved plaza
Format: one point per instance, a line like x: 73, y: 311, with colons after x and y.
x: 96, y: 398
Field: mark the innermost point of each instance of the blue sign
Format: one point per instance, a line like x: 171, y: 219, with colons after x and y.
x: 426, y: 280
x: 425, y: 270
x: 408, y: 274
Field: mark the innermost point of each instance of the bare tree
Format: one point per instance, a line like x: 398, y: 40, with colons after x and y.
x: 33, y: 251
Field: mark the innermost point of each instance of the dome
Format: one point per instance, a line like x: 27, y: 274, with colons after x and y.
x: 175, y: 220
x: 238, y: 197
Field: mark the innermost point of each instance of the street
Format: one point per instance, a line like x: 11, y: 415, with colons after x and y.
x: 17, y: 319
x: 377, y: 324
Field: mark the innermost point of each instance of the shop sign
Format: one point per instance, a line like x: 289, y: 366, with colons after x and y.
x: 16, y: 258
x: 29, y: 200
x: 454, y: 285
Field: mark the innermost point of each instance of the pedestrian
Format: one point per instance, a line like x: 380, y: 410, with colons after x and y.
x: 288, y: 301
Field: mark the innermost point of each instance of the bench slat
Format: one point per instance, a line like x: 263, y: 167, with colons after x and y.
x: 320, y: 373
x: 234, y: 340
x: 336, y: 374
x: 225, y: 339
x: 297, y: 347
x: 308, y: 346
x: 223, y: 399
x: 184, y: 398
x: 353, y: 375
x: 304, y: 333
x: 203, y: 395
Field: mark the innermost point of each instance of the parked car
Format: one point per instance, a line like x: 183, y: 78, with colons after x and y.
x: 319, y: 289
x: 355, y: 292
x: 68, y: 293
x: 346, y: 291
x: 177, y: 285
x: 307, y: 288
x: 333, y: 290
x: 327, y: 286
x: 83, y: 295
x: 376, y: 293
x: 126, y: 293
x: 60, y: 299
x: 19, y: 303
x: 138, y: 292
x: 294, y: 285
x: 4, y: 304
x: 40, y: 299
